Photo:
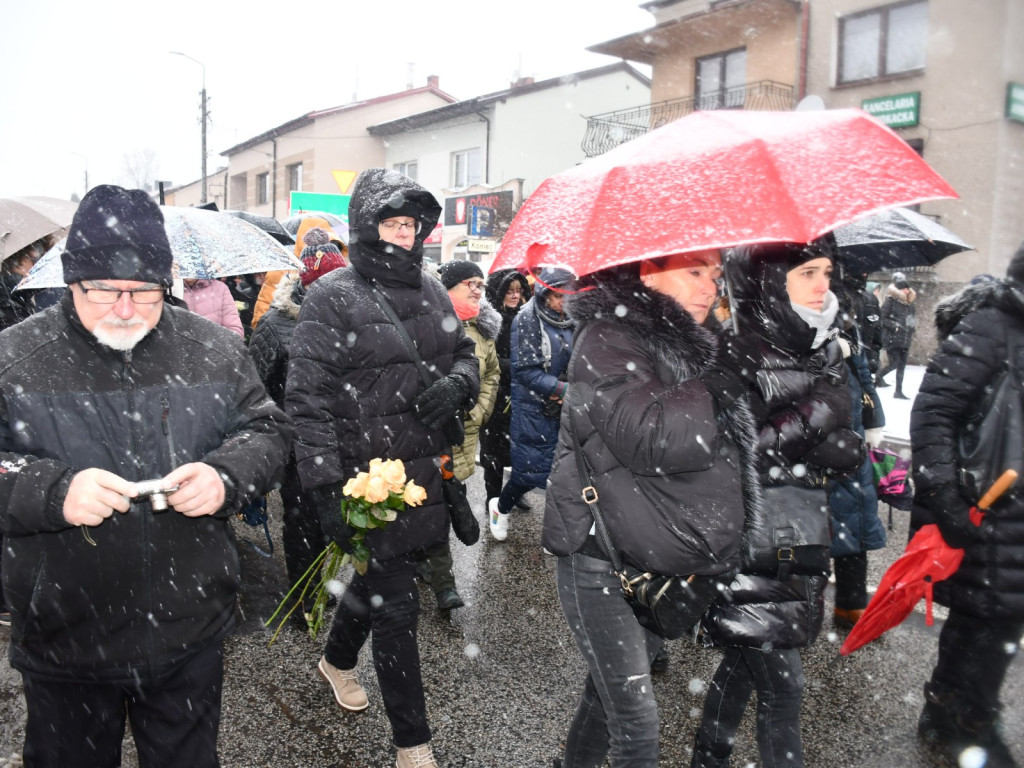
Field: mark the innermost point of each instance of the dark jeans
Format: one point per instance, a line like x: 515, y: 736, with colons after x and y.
x: 301, y: 535
x: 385, y: 602
x: 513, y: 491
x: 495, y: 453
x: 851, y: 580
x: 974, y: 656
x: 81, y: 725
x: 778, y: 677
x: 897, y: 362
x: 617, y: 715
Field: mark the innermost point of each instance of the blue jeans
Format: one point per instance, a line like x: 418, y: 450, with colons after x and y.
x: 778, y: 677
x: 617, y: 715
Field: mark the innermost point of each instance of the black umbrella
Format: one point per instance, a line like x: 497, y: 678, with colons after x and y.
x: 895, y: 239
x: 272, y: 227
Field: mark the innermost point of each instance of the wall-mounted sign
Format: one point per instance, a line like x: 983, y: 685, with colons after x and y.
x: 899, y: 111
x: 457, y: 210
x: 482, y: 221
x: 1015, y: 101
x: 483, y: 246
x: 319, y: 201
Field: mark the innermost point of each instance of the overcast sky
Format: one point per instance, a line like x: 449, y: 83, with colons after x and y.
x: 83, y: 84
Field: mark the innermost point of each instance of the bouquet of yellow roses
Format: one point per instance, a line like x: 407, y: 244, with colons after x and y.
x: 372, y: 499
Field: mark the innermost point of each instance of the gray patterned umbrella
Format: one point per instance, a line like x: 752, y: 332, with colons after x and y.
x: 205, y: 244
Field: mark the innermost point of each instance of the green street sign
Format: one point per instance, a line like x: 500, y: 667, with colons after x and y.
x: 319, y: 201
x: 899, y: 111
x: 1015, y: 102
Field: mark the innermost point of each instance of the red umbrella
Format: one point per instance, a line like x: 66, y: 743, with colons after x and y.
x: 718, y: 179
x: 926, y: 560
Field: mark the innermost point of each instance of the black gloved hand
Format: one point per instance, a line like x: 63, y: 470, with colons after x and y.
x: 327, y: 499
x: 439, y: 402
x: 952, y: 514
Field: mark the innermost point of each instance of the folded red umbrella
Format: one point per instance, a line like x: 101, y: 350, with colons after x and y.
x: 718, y: 179
x: 926, y: 560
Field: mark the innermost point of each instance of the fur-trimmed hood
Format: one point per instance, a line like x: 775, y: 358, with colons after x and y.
x: 897, y: 294
x: 668, y: 331
x: 488, y: 321
x: 1005, y: 295
x: 288, y: 295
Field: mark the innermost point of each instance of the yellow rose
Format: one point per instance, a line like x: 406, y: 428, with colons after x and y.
x: 356, y: 487
x: 393, y: 473
x: 376, y: 490
x: 375, y: 467
x: 414, y: 494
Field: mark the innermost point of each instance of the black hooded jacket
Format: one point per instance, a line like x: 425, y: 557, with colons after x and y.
x: 351, y: 377
x: 976, y: 328
x: 672, y: 473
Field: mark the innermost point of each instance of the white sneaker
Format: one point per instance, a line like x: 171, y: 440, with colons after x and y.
x: 498, y: 521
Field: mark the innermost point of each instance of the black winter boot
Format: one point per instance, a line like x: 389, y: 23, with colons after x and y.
x: 942, y: 724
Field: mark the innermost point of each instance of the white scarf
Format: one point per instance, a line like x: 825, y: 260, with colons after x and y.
x: 821, y: 321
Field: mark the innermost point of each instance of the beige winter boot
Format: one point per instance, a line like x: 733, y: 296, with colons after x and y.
x: 347, y: 691
x: 415, y: 757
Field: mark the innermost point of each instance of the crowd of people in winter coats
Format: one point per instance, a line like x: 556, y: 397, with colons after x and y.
x: 696, y: 421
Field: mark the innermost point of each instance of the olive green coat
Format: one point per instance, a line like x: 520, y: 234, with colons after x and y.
x: 483, y: 329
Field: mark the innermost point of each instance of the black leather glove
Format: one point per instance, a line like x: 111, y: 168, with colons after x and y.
x: 327, y: 499
x: 952, y: 514
x: 439, y: 402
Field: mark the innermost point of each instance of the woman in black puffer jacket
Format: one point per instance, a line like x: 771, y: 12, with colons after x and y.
x: 787, y: 352
x: 669, y: 438
x: 981, y: 330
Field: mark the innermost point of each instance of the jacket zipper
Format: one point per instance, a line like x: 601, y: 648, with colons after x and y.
x: 128, y: 385
x: 165, y: 425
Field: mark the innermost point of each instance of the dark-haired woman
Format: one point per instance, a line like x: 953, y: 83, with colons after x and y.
x: 669, y: 441
x: 796, y: 377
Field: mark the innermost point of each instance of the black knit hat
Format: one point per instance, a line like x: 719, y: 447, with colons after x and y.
x: 454, y: 272
x: 117, y: 234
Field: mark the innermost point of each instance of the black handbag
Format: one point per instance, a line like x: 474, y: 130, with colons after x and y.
x: 464, y: 522
x: 669, y: 606
x: 793, y: 538
x: 993, y: 440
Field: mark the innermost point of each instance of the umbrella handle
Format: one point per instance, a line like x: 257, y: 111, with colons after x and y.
x: 999, y: 487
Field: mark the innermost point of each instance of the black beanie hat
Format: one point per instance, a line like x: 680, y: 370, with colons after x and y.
x: 117, y: 234
x: 454, y: 272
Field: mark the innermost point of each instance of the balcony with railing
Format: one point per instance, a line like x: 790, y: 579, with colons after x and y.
x: 608, y: 130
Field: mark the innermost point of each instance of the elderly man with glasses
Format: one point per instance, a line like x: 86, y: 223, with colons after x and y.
x: 121, y: 591
x: 379, y: 366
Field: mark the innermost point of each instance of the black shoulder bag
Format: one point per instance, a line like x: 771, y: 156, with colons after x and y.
x: 669, y: 606
x: 465, y: 525
x: 993, y: 440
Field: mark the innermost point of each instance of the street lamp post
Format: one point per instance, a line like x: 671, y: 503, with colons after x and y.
x: 204, y: 115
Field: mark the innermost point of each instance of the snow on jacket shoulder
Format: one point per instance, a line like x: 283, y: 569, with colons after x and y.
x: 154, y: 587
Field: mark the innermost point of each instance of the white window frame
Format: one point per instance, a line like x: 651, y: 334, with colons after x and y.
x: 884, y: 35
x: 466, y: 168
x: 295, y: 177
x: 727, y: 89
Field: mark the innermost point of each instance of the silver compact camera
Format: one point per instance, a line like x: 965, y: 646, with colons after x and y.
x: 155, y: 491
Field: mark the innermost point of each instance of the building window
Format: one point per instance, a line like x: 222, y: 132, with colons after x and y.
x: 721, y: 80
x: 466, y: 168
x: 884, y: 41
x: 262, y: 188
x: 295, y: 177
x: 407, y: 169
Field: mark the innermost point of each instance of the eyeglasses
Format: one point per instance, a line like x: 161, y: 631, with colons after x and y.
x: 474, y: 285
x: 113, y: 295
x: 393, y: 224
